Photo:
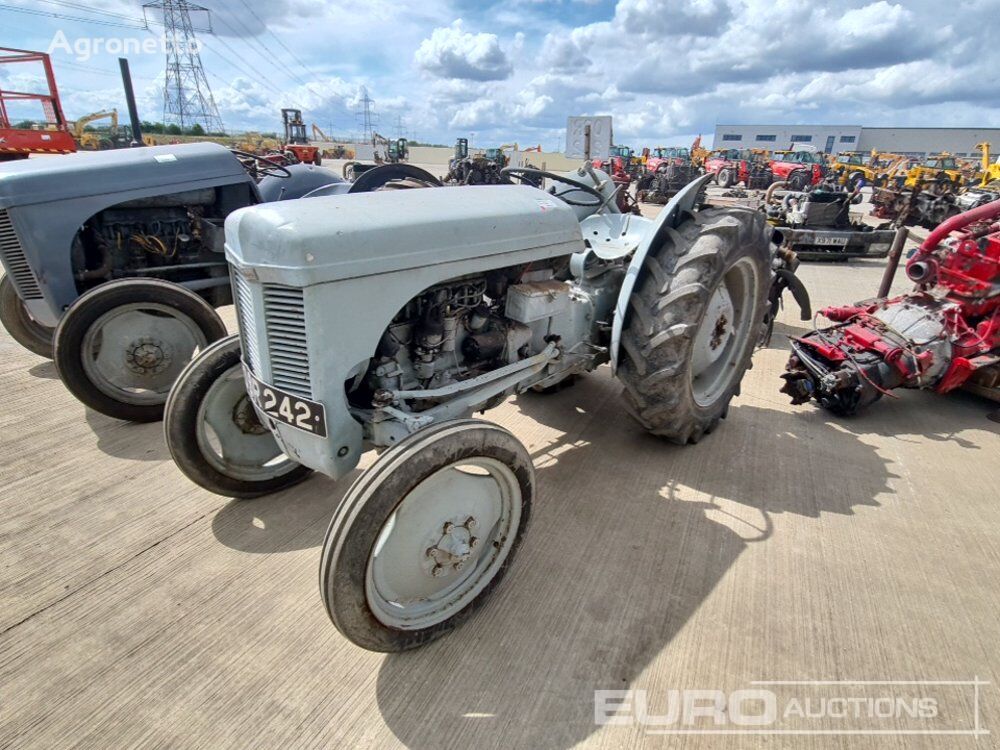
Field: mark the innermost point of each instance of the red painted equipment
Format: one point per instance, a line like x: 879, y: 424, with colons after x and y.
x: 942, y: 335
x: 798, y: 168
x: 55, y: 137
x: 620, y: 164
x: 296, y: 147
x: 732, y: 166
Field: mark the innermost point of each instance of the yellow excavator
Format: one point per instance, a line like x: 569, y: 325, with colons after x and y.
x: 698, y: 153
x: 92, y: 141
x: 990, y: 168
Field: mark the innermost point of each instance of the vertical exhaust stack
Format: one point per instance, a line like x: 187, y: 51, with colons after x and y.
x: 133, y: 113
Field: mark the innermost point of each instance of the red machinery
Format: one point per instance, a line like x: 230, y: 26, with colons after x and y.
x: 942, y: 335
x: 661, y: 156
x: 296, y: 147
x: 19, y: 143
x: 732, y: 166
x: 798, y: 168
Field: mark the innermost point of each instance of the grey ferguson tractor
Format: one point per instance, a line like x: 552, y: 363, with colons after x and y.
x: 385, y: 320
x: 114, y: 260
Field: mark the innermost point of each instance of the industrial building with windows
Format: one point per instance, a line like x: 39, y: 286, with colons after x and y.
x: 833, y: 139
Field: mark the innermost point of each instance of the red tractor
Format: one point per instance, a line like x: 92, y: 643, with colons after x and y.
x: 54, y: 137
x: 621, y: 161
x: 732, y: 166
x: 297, y: 148
x: 942, y: 335
x: 798, y: 168
x: 677, y: 156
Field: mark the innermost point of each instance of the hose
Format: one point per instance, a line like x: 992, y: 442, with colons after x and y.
x: 774, y: 186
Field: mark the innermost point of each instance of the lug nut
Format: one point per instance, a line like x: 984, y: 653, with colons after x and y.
x: 431, y: 551
x: 448, y: 526
x: 437, y: 571
x: 459, y: 565
x: 473, y: 542
x: 470, y: 523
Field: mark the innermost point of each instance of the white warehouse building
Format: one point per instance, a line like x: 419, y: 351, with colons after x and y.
x: 833, y: 139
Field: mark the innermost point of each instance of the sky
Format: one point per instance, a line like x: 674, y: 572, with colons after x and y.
x: 512, y: 71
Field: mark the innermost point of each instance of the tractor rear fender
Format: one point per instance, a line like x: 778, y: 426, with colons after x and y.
x: 670, y: 217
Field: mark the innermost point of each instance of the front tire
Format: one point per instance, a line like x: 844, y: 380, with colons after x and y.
x: 425, y: 535
x: 120, y: 347
x: 214, y: 434
x: 693, y: 321
x: 24, y: 329
x: 724, y: 178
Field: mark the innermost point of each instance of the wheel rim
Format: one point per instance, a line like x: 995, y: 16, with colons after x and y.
x: 443, y: 544
x: 231, y: 437
x: 724, y: 333
x: 135, y: 352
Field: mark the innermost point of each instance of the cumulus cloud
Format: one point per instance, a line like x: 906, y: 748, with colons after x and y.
x: 664, y: 69
x: 452, y: 52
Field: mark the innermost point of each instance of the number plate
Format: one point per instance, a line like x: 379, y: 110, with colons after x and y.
x: 300, y: 413
x: 835, y: 241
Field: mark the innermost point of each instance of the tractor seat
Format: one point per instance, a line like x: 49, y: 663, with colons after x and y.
x: 611, y: 235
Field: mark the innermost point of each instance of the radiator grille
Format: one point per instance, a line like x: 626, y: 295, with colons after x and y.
x: 14, y: 261
x: 243, y: 298
x: 285, y: 320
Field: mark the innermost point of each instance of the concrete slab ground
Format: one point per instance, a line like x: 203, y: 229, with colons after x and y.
x: 139, y: 610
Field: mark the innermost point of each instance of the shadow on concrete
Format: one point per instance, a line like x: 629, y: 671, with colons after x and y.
x: 917, y: 415
x: 294, y: 519
x: 45, y: 370
x: 617, y: 561
x: 137, y: 441
x: 783, y: 331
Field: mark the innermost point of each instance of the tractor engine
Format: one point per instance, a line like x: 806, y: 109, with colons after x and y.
x: 175, y: 237
x: 476, y: 324
x: 939, y: 337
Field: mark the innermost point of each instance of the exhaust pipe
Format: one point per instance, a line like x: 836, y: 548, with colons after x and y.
x: 133, y: 112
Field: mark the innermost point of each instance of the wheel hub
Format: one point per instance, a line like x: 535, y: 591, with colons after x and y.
x: 147, y: 356
x: 245, y: 417
x: 453, y: 548
x: 720, y: 332
x: 715, y: 331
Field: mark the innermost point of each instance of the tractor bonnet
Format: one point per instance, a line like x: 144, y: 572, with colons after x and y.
x: 86, y: 174
x: 301, y: 243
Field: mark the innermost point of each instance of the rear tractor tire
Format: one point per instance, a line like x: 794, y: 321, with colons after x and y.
x: 694, y: 318
x: 24, y: 329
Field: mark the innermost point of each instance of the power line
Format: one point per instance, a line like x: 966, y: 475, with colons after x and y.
x: 50, y: 14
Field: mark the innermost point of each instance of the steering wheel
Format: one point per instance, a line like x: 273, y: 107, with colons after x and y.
x: 523, y: 173
x: 260, y: 166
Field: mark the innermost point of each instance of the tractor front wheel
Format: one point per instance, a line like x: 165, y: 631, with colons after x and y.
x: 24, y: 329
x: 214, y: 434
x: 424, y: 536
x: 120, y: 347
x: 724, y: 177
x: 694, y: 317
